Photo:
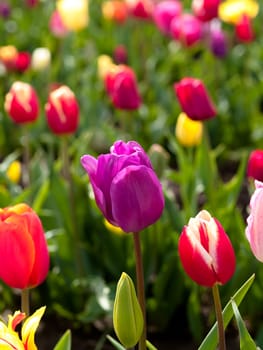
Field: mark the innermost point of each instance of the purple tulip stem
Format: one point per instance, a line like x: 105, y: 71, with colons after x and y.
x: 219, y: 317
x: 140, y: 285
x: 25, y: 301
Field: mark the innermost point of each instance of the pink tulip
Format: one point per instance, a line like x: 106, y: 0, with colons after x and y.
x: 187, y: 29
x: 164, y: 12
x: 254, y: 229
x: 205, y: 251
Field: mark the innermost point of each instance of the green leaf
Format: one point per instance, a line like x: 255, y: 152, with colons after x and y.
x: 150, y: 346
x: 64, y: 342
x: 210, y: 341
x: 246, y: 342
x: 115, y: 343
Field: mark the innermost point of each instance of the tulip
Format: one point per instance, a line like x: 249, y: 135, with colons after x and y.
x: 74, y: 13
x: 126, y: 188
x: 205, y: 10
x: 41, y: 58
x: 14, y: 171
x: 115, y: 10
x: 205, y: 251
x: 159, y: 158
x: 231, y: 11
x: 188, y: 132
x: 194, y: 99
x: 114, y: 229
x: 187, y: 29
x: 8, y: 56
x: 62, y: 111
x: 255, y: 165
x: 244, y: 30
x: 10, y: 339
x: 127, y: 315
x: 104, y: 65
x: 23, y: 247
x: 21, y: 103
x: 57, y: 26
x: 120, y: 54
x: 22, y: 61
x: 164, y: 12
x: 254, y: 229
x: 4, y: 10
x: 121, y: 86
x: 140, y: 8
x: 218, y: 42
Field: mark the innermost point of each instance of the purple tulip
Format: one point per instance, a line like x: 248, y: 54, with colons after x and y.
x: 254, y: 230
x: 125, y: 186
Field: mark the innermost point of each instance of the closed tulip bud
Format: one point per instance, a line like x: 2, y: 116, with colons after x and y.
x: 14, y: 171
x: 8, y: 56
x: 159, y: 158
x: 104, y: 64
x: 23, y: 247
x: 22, y: 61
x: 5, y: 10
x: 164, y: 12
x: 122, y: 88
x: 205, y: 251
x: 187, y: 29
x: 120, y: 54
x: 74, y: 13
x: 244, y: 30
x: 231, y: 11
x: 21, y: 103
x: 254, y: 229
x: 205, y: 10
x: 255, y: 165
x: 127, y: 315
x: 125, y: 186
x: 187, y: 131
x: 194, y: 99
x: 62, y: 111
x: 115, y: 10
x: 57, y: 26
x: 140, y: 8
x: 218, y: 42
x: 41, y: 58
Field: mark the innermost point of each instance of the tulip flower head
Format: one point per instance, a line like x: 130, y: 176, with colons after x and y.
x: 244, y: 30
x: 205, y: 10
x: 231, y: 11
x: 23, y: 247
x: 254, y: 229
x: 41, y: 58
x: 21, y: 103
x: 205, y: 251
x: 187, y: 29
x: 140, y: 8
x: 62, y: 111
x: 255, y: 165
x: 188, y: 132
x: 115, y: 10
x: 22, y: 61
x: 14, y: 171
x: 127, y: 314
x: 104, y: 65
x: 218, y: 42
x: 164, y: 12
x: 126, y: 188
x: 194, y: 99
x: 10, y: 339
x: 8, y: 56
x: 74, y: 13
x: 57, y: 26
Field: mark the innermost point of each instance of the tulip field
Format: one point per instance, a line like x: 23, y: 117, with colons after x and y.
x: 131, y: 174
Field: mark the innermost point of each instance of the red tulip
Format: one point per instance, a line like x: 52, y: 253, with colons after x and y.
x: 21, y: 103
x: 194, y: 99
x: 206, y: 252
x: 140, y: 8
x: 255, y: 165
x: 205, y: 10
x: 23, y: 247
x: 22, y: 61
x: 187, y: 29
x: 121, y: 85
x: 62, y: 111
x: 244, y: 30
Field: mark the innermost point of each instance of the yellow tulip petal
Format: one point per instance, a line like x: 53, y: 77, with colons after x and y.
x: 29, y: 329
x: 231, y: 11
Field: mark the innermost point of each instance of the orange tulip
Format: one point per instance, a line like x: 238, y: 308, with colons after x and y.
x: 23, y: 247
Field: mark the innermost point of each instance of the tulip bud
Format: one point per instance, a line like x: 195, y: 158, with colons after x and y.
x: 218, y: 42
x: 57, y: 26
x: 194, y: 99
x: 159, y: 158
x: 255, y: 165
x: 21, y: 103
x: 62, y: 111
x: 41, y: 58
x: 187, y: 29
x: 74, y: 13
x: 205, y: 251
x: 140, y: 8
x: 115, y: 10
x: 127, y: 315
x: 8, y: 56
x: 164, y: 12
x: 254, y: 229
x: 205, y: 10
x: 232, y: 11
x: 244, y: 30
x: 22, y: 61
x: 14, y: 171
x: 104, y: 64
x: 188, y: 132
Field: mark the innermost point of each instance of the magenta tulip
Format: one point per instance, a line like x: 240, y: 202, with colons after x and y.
x: 206, y: 252
x: 194, y: 99
x: 255, y: 165
x: 205, y: 10
x: 164, y: 12
x: 187, y: 29
x: 254, y: 229
x: 126, y: 188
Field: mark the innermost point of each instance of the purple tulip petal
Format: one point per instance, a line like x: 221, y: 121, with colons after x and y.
x: 137, y: 199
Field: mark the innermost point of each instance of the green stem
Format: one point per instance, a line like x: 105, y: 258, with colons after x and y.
x: 140, y: 286
x: 25, y: 301
x: 26, y: 157
x: 75, y: 233
x: 219, y: 317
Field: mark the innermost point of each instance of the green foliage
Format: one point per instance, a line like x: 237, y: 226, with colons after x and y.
x: 64, y: 342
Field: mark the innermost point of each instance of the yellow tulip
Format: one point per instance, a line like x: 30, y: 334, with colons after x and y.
x: 104, y: 64
x: 74, y: 13
x: 187, y: 131
x: 231, y: 11
x: 14, y: 171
